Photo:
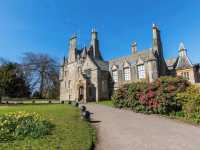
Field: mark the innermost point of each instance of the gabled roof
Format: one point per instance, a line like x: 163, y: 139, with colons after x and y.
x: 140, y: 61
x: 114, y: 67
x: 126, y: 64
x: 101, y: 65
x: 84, y: 52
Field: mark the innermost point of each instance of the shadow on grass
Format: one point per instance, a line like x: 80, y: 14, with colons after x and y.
x: 24, y: 104
x: 95, y: 121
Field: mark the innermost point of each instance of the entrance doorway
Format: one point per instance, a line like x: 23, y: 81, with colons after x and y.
x: 81, y: 93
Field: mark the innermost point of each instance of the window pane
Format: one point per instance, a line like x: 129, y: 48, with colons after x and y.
x: 127, y: 76
x: 88, y: 73
x: 141, y: 72
x: 115, y: 76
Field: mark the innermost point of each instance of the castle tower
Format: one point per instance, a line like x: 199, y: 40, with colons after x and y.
x: 95, y: 45
x: 72, y: 49
x: 158, y: 51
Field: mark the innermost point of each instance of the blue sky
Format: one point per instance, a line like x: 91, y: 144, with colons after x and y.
x: 46, y: 25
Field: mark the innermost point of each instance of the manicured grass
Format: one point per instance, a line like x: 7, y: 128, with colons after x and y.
x: 106, y: 103
x: 70, y: 133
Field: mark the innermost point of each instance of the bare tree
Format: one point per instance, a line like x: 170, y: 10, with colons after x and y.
x: 42, y: 73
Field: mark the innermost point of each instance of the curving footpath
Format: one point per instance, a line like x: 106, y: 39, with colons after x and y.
x: 125, y: 130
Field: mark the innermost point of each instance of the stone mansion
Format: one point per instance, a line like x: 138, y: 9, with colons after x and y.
x: 86, y: 76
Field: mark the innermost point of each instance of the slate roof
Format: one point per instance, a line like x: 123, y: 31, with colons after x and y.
x: 183, y: 60
x: 171, y: 63
x: 103, y: 65
x: 144, y: 55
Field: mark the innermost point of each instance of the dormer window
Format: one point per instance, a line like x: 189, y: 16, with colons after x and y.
x: 141, y: 71
x: 140, y: 68
x: 115, y: 75
x: 127, y: 74
x: 127, y: 71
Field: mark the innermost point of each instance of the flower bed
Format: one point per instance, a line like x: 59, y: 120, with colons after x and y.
x: 23, y: 124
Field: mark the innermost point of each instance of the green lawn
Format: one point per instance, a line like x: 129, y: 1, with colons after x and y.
x: 106, y: 103
x: 70, y: 133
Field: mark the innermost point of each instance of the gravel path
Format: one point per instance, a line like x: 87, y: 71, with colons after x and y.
x: 125, y: 130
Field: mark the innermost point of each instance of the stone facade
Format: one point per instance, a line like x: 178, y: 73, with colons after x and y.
x: 85, y: 76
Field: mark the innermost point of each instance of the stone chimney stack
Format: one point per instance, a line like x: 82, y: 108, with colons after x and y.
x: 134, y: 47
x: 94, y: 34
x: 158, y: 51
x: 95, y: 44
x: 72, y: 49
x: 157, y: 44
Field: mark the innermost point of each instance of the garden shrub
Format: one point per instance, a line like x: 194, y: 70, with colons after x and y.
x: 23, y: 124
x: 120, y: 96
x: 156, y: 97
x: 166, y: 90
x: 133, y: 91
x: 190, y: 99
x: 147, y: 98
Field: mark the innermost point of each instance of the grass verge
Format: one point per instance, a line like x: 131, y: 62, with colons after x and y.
x: 106, y: 103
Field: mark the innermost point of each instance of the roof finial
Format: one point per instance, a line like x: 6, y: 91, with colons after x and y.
x: 154, y: 25
x: 181, y: 46
x: 93, y: 29
x: 134, y: 47
x: 134, y: 43
x: 74, y: 35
